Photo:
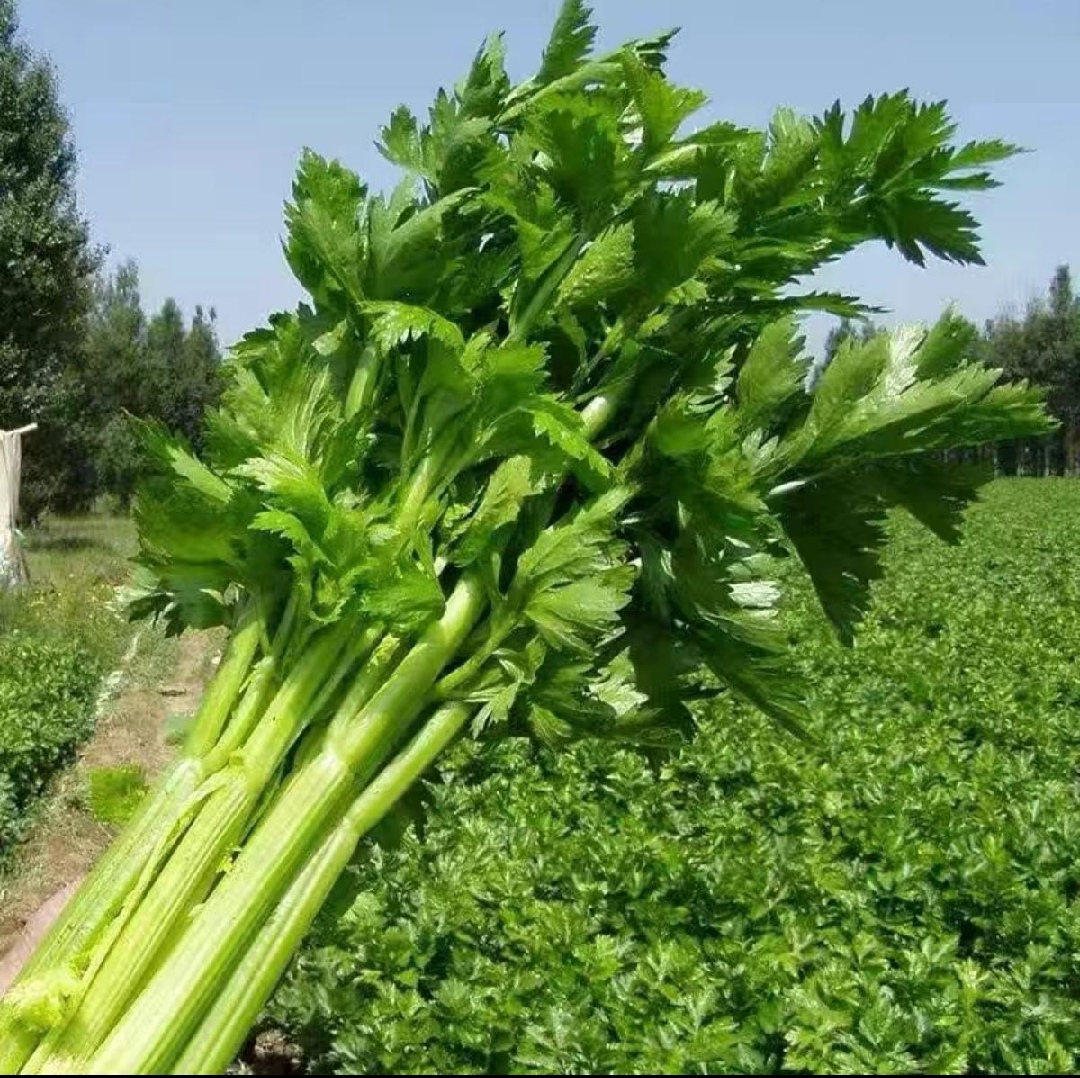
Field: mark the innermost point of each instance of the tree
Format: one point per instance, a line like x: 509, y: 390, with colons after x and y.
x: 847, y: 330
x: 1058, y: 334
x: 46, y: 267
x: 1043, y: 347
x: 154, y: 368
x: 200, y: 381
x: 184, y: 363
x: 114, y: 367
x: 116, y: 379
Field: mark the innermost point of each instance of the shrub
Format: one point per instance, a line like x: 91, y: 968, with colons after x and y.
x: 47, y: 689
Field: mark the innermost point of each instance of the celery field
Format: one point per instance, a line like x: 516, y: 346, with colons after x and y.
x: 544, y: 457
x: 898, y: 895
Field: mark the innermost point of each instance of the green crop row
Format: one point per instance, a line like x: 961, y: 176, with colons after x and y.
x: 47, y: 689
x: 58, y: 637
x: 897, y: 895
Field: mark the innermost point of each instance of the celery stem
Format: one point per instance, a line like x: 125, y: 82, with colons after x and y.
x: 240, y: 1000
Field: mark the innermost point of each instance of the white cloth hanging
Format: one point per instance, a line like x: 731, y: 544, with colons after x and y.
x: 12, y: 563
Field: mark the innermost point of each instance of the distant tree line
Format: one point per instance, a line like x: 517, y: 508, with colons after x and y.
x: 132, y: 364
x: 47, y: 264
x: 1043, y: 346
x: 78, y: 354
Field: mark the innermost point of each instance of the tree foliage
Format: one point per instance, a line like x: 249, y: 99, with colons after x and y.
x: 150, y: 368
x: 46, y: 268
x: 76, y: 350
x: 1042, y: 346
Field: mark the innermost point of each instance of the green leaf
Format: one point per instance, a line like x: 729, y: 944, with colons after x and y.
x: 848, y: 377
x: 404, y: 593
x: 397, y: 323
x: 570, y: 42
x: 573, y: 698
x: 510, y: 484
x: 486, y: 87
x: 572, y: 617
x: 561, y: 426
x: 1010, y: 410
x: 949, y: 344
x: 403, y: 145
x: 872, y: 402
x: 731, y: 614
x: 662, y: 107
x: 605, y: 267
x: 325, y: 248
x: 180, y: 521
x: 674, y: 236
x: 292, y: 485
x: 837, y: 528
x: 577, y: 547
x: 407, y: 247
x: 773, y: 372
x: 170, y: 455
x: 290, y: 528
x: 790, y: 156
x: 936, y: 493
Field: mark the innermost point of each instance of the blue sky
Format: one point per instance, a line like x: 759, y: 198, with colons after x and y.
x: 189, y: 117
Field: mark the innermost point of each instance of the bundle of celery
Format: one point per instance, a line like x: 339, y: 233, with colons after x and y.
x: 521, y: 467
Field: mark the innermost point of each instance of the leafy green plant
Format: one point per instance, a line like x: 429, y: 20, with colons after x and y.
x: 115, y: 793
x: 519, y: 468
x: 47, y: 690
x: 898, y: 895
x: 57, y: 639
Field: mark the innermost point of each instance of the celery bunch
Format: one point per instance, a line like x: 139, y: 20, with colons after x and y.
x: 519, y: 468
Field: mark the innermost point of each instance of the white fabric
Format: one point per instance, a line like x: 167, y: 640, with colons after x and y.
x: 12, y: 565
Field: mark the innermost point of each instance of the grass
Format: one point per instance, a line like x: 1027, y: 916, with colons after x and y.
x: 59, y: 637
x: 114, y: 793
x: 75, y: 564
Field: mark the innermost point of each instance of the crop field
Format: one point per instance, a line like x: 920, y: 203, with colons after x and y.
x: 898, y: 894
x: 58, y: 638
x: 515, y: 657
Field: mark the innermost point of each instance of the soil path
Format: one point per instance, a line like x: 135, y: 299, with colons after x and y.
x: 157, y: 679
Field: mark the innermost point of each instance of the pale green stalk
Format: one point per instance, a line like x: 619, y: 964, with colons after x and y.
x: 157, y: 1024
x: 224, y: 690
x: 239, y: 1001
x: 187, y: 873
x: 261, y: 687
x: 99, y: 898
